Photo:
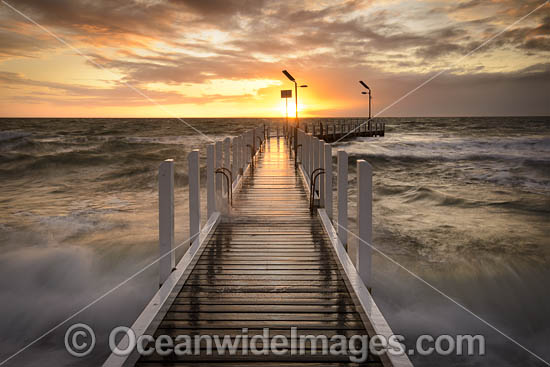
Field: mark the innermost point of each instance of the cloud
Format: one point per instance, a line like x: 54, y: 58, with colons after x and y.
x: 273, y: 29
x: 114, y: 95
x: 188, y: 42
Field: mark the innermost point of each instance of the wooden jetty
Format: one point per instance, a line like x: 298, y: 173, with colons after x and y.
x: 268, y: 260
x: 336, y: 130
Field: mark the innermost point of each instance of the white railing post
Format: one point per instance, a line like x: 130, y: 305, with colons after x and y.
x: 311, y: 154
x: 219, y: 179
x: 240, y: 154
x: 328, y: 180
x: 315, y: 154
x: 226, y: 159
x: 210, y: 180
x: 305, y: 154
x: 321, y: 177
x: 194, y: 196
x: 301, y: 141
x: 248, y: 148
x: 235, y: 163
x: 167, y: 260
x: 342, y: 189
x: 364, y: 221
x: 253, y: 141
x: 242, y: 160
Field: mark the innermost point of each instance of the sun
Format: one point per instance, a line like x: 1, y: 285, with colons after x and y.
x: 282, y: 108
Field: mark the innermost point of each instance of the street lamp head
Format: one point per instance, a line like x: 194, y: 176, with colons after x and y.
x: 290, y: 77
x: 363, y: 92
x: 303, y: 86
x: 363, y: 84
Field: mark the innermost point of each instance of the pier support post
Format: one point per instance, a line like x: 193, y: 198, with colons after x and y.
x: 194, y: 196
x: 166, y: 220
x: 364, y: 221
x: 210, y: 180
x: 342, y: 189
x: 328, y: 180
x: 321, y: 178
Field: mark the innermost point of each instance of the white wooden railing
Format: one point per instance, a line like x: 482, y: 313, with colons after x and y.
x: 315, y: 154
x: 236, y: 155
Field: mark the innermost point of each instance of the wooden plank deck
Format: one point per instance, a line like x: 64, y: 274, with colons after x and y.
x: 268, y: 264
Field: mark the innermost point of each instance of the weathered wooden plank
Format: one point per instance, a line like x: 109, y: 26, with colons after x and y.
x: 258, y: 364
x: 258, y: 358
x: 174, y: 315
x: 239, y: 324
x: 265, y: 270
x: 271, y: 308
x: 259, y: 296
x: 243, y: 277
x: 267, y: 303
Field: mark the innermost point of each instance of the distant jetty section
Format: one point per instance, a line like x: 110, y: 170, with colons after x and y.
x: 331, y: 131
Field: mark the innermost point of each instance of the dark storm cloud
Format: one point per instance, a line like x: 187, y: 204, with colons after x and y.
x: 207, y: 8
x: 274, y: 28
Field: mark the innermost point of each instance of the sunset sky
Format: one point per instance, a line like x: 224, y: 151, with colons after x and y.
x: 222, y: 58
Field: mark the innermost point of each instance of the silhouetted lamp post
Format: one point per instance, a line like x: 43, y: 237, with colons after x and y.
x: 369, y: 93
x: 297, y: 125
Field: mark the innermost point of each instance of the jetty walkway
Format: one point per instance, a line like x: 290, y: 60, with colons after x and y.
x: 266, y: 261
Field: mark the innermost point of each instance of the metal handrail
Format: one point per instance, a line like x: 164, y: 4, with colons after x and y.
x: 225, y: 171
x: 317, y: 172
x: 261, y: 142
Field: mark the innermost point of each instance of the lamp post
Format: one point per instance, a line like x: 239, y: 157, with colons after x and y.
x: 297, y: 124
x: 370, y: 96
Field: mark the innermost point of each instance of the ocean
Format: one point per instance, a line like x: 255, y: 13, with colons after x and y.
x: 463, y: 203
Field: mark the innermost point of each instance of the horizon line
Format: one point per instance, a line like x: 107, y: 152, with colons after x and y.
x: 260, y: 117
